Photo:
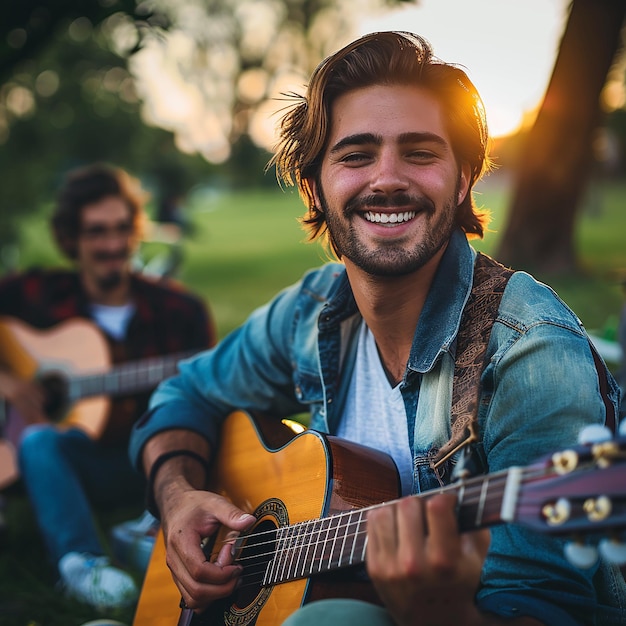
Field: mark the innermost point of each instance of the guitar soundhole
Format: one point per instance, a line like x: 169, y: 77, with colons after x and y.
x: 255, y: 553
x: 55, y: 388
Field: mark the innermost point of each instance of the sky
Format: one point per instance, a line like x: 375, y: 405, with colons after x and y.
x: 507, y: 47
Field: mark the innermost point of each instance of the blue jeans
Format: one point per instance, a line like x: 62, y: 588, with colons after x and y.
x: 339, y: 611
x: 64, y: 473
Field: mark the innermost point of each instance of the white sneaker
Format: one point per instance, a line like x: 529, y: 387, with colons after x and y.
x: 93, y: 580
x: 132, y: 541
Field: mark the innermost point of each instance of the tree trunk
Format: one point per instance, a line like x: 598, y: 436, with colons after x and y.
x: 554, y: 163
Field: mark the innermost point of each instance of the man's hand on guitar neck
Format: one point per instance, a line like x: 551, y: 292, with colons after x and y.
x: 25, y: 396
x: 437, y: 570
x: 189, y: 515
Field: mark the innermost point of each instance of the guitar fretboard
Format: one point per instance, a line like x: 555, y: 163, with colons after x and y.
x: 339, y: 541
x: 125, y: 378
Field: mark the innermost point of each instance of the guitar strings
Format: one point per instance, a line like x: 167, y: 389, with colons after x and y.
x: 294, y: 539
x: 473, y: 494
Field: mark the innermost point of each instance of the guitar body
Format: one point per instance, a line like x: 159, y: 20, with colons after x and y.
x: 281, y: 479
x: 72, y: 347
x: 36, y: 354
x: 72, y: 364
x: 310, y: 494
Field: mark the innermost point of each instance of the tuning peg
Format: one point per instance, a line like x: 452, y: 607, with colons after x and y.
x: 622, y: 428
x: 581, y: 555
x: 613, y: 551
x: 594, y: 433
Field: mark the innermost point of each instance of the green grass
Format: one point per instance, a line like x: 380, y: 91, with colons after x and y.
x: 246, y: 247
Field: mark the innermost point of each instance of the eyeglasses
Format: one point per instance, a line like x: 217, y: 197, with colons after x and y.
x: 97, y: 232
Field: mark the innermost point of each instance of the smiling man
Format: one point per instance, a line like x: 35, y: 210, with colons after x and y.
x: 97, y: 223
x: 385, y: 149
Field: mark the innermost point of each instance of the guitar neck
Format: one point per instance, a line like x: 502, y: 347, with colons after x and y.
x: 125, y: 378
x: 339, y: 541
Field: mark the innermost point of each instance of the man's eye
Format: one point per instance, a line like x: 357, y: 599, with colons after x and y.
x: 355, y: 157
x: 421, y: 155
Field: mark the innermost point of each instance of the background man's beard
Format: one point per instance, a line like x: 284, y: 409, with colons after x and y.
x: 391, y: 259
x: 110, y: 281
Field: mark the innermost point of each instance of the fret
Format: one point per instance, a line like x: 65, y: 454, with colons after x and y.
x: 324, y: 554
x: 295, y: 550
x: 355, y: 540
x: 481, y: 503
x: 124, y: 378
x: 268, y: 578
x: 362, y: 539
x: 111, y: 383
x: 318, y: 546
x: 512, y: 486
x: 321, y: 554
x: 306, y: 560
x: 284, y: 553
x: 334, y: 527
x: 73, y: 389
x: 273, y: 576
x: 350, y: 528
x: 461, y: 496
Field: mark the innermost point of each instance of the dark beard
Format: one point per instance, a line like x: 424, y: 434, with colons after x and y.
x: 391, y: 259
x: 110, y: 282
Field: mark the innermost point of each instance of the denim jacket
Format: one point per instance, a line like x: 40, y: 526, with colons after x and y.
x: 540, y: 387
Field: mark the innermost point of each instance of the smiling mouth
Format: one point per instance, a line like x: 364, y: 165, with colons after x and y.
x: 389, y: 218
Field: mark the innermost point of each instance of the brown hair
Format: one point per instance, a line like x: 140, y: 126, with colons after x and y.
x: 89, y: 184
x: 384, y: 58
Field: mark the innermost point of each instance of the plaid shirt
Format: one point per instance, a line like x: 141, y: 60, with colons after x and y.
x: 167, y: 320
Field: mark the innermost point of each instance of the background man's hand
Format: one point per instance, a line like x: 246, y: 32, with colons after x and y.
x: 25, y: 396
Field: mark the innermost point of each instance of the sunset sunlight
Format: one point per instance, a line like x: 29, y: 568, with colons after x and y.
x: 507, y: 48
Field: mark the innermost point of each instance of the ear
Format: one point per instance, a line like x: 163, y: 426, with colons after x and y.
x: 464, y: 181
x: 312, y: 186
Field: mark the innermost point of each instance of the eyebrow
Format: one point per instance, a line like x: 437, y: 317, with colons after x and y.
x: 362, y: 139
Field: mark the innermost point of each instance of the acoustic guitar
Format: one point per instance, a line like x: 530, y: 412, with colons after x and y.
x: 72, y: 363
x: 310, y: 494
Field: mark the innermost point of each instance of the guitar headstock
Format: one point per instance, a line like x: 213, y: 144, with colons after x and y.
x: 580, y: 493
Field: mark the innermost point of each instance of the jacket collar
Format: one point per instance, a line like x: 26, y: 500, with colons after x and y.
x: 440, y: 320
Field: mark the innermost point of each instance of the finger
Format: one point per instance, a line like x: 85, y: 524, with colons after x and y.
x: 444, y: 540
x: 381, y: 530
x: 410, y: 524
x: 198, y: 595
x: 204, y: 582
x: 227, y: 514
x: 477, y: 543
x: 225, y: 555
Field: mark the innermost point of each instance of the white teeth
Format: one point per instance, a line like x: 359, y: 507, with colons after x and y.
x: 391, y: 218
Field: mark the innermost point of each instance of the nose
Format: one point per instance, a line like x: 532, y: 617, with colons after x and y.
x: 388, y: 176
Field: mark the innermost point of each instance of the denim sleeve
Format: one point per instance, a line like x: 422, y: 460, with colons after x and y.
x: 250, y: 370
x: 539, y: 390
x: 513, y: 605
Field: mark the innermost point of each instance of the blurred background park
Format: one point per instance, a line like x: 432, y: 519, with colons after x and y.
x: 184, y: 94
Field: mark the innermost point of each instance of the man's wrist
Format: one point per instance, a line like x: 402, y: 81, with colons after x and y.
x: 162, y: 459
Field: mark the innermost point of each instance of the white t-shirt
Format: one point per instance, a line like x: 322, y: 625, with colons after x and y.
x: 113, y: 319
x: 374, y: 413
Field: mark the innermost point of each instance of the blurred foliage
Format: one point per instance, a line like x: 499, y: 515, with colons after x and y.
x: 68, y: 97
x: 73, y: 103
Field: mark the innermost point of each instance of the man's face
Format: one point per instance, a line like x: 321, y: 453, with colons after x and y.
x: 389, y: 182
x: 106, y: 240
